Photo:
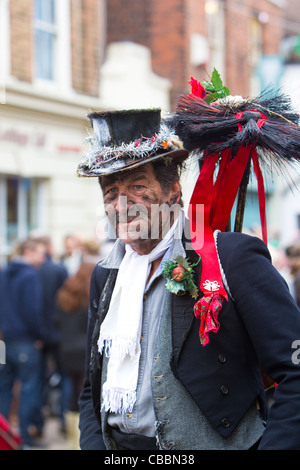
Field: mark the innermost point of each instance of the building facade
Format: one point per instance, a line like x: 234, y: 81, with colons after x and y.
x: 243, y: 39
x: 49, y: 81
x: 64, y: 58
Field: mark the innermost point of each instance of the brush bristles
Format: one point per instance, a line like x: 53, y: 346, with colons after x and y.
x: 215, y: 127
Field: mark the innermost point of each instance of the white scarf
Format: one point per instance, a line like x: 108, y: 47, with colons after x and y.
x: 120, y: 331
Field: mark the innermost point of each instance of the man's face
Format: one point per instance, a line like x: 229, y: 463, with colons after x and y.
x: 137, y: 207
x: 36, y: 256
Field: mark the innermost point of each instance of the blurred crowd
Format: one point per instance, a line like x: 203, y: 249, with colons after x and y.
x: 43, y: 321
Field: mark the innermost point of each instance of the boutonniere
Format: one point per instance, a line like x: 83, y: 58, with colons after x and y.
x: 180, y: 276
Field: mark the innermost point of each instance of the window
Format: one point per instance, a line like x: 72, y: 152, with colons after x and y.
x: 45, y: 38
x: 215, y: 23
x: 20, y: 210
x: 52, y: 43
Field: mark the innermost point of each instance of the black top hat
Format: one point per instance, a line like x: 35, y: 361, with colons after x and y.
x: 125, y: 139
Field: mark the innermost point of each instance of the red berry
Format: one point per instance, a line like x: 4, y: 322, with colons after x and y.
x: 178, y: 274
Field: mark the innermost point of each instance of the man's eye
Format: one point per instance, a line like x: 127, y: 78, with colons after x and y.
x: 138, y: 187
x: 110, y: 194
x: 111, y: 191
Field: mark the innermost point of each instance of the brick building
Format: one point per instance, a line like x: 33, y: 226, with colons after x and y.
x: 31, y: 23
x: 62, y: 58
x: 49, y: 78
x: 189, y: 37
x: 243, y: 39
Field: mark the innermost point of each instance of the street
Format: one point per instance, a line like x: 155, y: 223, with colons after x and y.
x: 53, y: 438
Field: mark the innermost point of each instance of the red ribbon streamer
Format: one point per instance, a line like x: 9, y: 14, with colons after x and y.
x: 216, y: 201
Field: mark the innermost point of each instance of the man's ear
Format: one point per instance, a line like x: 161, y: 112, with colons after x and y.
x: 175, y: 193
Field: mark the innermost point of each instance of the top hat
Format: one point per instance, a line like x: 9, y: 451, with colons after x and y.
x: 126, y: 139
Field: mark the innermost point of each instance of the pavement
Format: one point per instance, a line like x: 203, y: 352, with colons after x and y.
x: 53, y: 438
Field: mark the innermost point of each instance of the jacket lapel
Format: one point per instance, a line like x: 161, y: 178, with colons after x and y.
x: 183, y: 311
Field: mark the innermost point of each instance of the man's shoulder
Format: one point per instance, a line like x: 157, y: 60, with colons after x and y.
x: 19, y: 269
x: 233, y: 241
x: 99, y: 276
x: 100, y: 271
x: 239, y: 251
x: 98, y: 279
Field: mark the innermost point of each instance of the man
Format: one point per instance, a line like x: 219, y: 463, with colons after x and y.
x: 52, y: 276
x: 150, y: 384
x: 23, y: 331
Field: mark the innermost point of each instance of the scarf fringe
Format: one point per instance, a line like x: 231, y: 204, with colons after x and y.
x: 117, y: 400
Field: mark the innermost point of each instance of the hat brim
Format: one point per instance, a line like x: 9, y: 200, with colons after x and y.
x: 115, y: 165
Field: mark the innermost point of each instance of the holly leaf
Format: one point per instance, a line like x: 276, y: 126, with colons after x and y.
x: 215, y: 88
x: 209, y: 87
x: 194, y: 292
x: 216, y: 80
x: 175, y: 287
x: 211, y: 97
x: 182, y: 261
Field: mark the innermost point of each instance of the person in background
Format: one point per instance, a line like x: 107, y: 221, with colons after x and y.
x: 293, y: 256
x: 72, y: 256
x: 52, y: 276
x: 72, y: 313
x: 24, y: 332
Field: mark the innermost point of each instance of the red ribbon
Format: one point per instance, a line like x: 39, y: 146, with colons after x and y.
x: 215, y: 201
x: 208, y: 306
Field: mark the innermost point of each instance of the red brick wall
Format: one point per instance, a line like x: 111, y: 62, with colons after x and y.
x: 86, y: 45
x: 77, y: 46
x: 86, y: 24
x: 169, y: 43
x: 196, y: 23
x: 129, y: 21
x: 239, y: 15
x: 164, y: 27
x: 21, y: 39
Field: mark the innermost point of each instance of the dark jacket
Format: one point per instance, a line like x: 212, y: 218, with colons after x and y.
x: 72, y: 347
x: 53, y: 275
x: 21, y: 303
x: 258, y: 328
x: 72, y: 313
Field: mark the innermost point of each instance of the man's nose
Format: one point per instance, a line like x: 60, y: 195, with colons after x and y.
x: 123, y: 202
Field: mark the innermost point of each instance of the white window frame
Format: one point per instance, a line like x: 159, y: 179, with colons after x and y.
x: 62, y: 49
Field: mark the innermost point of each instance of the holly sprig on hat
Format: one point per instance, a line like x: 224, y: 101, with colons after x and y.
x: 209, y: 91
x: 180, y: 276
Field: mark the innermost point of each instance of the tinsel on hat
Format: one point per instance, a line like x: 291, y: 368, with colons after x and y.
x: 125, y: 139
x: 143, y: 147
